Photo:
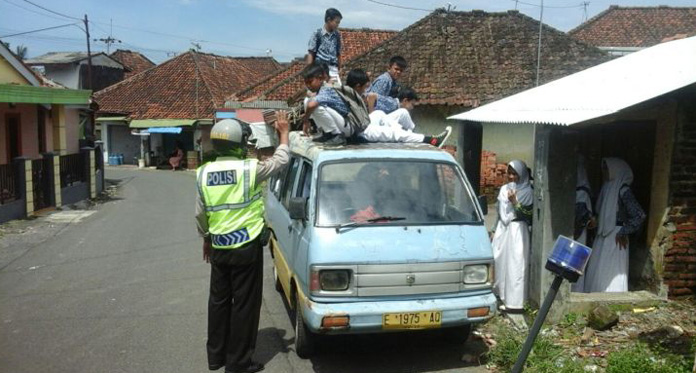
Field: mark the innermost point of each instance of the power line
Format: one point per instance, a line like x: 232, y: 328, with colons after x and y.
x: 39, y: 30
x: 51, y: 11
x: 34, y: 11
x: 400, y: 6
x: 548, y: 6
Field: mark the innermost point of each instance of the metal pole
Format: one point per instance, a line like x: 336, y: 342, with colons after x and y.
x: 541, y: 20
x: 89, y: 56
x: 538, y: 321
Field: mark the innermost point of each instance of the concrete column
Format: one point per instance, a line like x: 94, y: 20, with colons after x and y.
x: 92, y: 175
x: 554, y: 200
x: 28, y: 187
x: 88, y: 161
x: 56, y: 181
x: 60, y: 142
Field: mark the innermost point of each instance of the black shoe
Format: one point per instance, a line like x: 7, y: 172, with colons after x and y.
x: 215, y: 366
x: 323, y: 137
x: 440, y: 139
x: 251, y: 368
x: 331, y: 139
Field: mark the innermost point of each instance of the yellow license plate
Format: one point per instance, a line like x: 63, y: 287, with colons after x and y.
x: 412, y: 320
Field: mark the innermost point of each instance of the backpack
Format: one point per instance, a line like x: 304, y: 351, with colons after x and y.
x: 317, y: 41
x: 358, y: 118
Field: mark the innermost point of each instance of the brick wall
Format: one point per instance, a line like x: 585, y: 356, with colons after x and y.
x: 680, y: 257
x: 492, y: 175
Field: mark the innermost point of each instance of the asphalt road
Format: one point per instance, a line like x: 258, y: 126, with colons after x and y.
x: 122, y: 287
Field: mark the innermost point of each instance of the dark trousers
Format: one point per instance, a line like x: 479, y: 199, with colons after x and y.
x: 234, y: 305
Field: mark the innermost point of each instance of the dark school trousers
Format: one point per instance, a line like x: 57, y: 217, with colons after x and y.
x: 234, y: 305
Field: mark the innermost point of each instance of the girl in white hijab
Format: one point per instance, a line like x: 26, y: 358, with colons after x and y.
x: 584, y: 218
x: 511, y: 239
x: 619, y: 216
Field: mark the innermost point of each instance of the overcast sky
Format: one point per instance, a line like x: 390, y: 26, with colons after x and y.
x: 161, y: 28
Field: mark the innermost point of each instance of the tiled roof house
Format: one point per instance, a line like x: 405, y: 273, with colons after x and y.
x: 183, y: 92
x: 626, y: 29
x: 134, y: 62
x: 460, y: 60
x: 287, y: 84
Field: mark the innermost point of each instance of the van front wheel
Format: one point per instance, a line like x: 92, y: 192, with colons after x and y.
x: 304, y: 339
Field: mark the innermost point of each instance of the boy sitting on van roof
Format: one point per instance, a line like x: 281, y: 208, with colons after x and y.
x: 326, y: 108
x: 383, y: 93
x: 396, y: 126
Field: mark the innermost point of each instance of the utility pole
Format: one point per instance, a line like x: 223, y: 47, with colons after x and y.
x: 89, y: 131
x: 89, y: 56
x: 541, y: 27
x: 585, y: 4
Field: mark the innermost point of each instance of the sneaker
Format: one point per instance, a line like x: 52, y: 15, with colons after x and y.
x: 330, y: 139
x: 439, y: 140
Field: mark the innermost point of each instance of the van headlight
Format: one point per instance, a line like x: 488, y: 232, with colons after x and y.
x: 476, y: 274
x: 334, y: 279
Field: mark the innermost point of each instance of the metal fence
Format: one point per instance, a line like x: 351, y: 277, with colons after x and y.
x: 41, y: 183
x: 9, y: 190
x: 72, y: 169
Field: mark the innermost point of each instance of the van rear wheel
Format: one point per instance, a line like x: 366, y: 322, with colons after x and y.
x: 304, y: 339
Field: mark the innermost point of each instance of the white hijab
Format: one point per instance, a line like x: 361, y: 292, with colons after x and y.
x: 582, y: 186
x: 523, y: 188
x: 620, y: 174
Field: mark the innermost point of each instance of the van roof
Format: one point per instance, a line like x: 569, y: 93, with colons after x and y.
x: 314, y: 151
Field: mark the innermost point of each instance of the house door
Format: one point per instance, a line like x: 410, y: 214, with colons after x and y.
x: 14, y: 136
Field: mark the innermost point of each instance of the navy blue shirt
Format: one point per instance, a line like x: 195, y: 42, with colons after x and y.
x: 328, y: 97
x: 329, y: 47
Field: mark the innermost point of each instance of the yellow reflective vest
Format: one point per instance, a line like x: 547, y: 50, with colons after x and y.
x: 233, y: 201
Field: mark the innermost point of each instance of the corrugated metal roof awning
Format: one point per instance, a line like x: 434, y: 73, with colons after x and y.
x: 598, y: 91
x: 149, y: 123
x: 111, y: 119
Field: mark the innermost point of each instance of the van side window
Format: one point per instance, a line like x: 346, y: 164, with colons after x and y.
x: 289, y: 182
x: 305, y: 181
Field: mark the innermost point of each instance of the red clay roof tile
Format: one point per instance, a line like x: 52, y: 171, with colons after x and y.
x: 133, y: 61
x: 636, y: 26
x: 189, y: 86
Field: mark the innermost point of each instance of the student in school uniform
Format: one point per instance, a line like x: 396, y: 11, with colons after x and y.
x: 325, y: 44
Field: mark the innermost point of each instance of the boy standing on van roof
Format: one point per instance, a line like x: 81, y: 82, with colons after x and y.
x: 396, y: 126
x: 326, y: 108
x: 229, y: 216
x: 325, y: 44
x: 383, y: 93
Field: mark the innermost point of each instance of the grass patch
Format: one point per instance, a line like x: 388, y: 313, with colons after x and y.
x: 638, y: 358
x: 546, y: 357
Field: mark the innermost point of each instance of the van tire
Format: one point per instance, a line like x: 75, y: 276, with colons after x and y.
x: 304, y: 339
x: 457, y: 335
x: 278, y: 285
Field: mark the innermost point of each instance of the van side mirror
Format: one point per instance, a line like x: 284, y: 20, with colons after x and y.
x: 483, y: 202
x: 298, y: 208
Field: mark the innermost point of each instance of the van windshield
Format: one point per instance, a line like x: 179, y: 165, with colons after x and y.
x: 403, y: 192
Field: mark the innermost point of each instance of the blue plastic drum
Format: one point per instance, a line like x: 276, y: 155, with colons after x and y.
x: 570, y: 255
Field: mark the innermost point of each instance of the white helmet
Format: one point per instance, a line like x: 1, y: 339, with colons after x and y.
x: 229, y: 134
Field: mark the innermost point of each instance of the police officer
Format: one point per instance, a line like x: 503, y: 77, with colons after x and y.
x: 229, y: 215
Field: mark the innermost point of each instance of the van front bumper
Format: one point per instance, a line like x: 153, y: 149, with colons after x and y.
x: 367, y: 316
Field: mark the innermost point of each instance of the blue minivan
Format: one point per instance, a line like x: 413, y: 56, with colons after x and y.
x: 375, y: 238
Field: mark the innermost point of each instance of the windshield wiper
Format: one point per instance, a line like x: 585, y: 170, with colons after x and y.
x: 368, y: 221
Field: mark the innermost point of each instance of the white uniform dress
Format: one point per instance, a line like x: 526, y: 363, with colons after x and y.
x: 607, y: 270
x: 511, y: 241
x: 396, y: 126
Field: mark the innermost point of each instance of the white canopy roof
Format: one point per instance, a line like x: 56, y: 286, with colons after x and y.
x: 598, y: 91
